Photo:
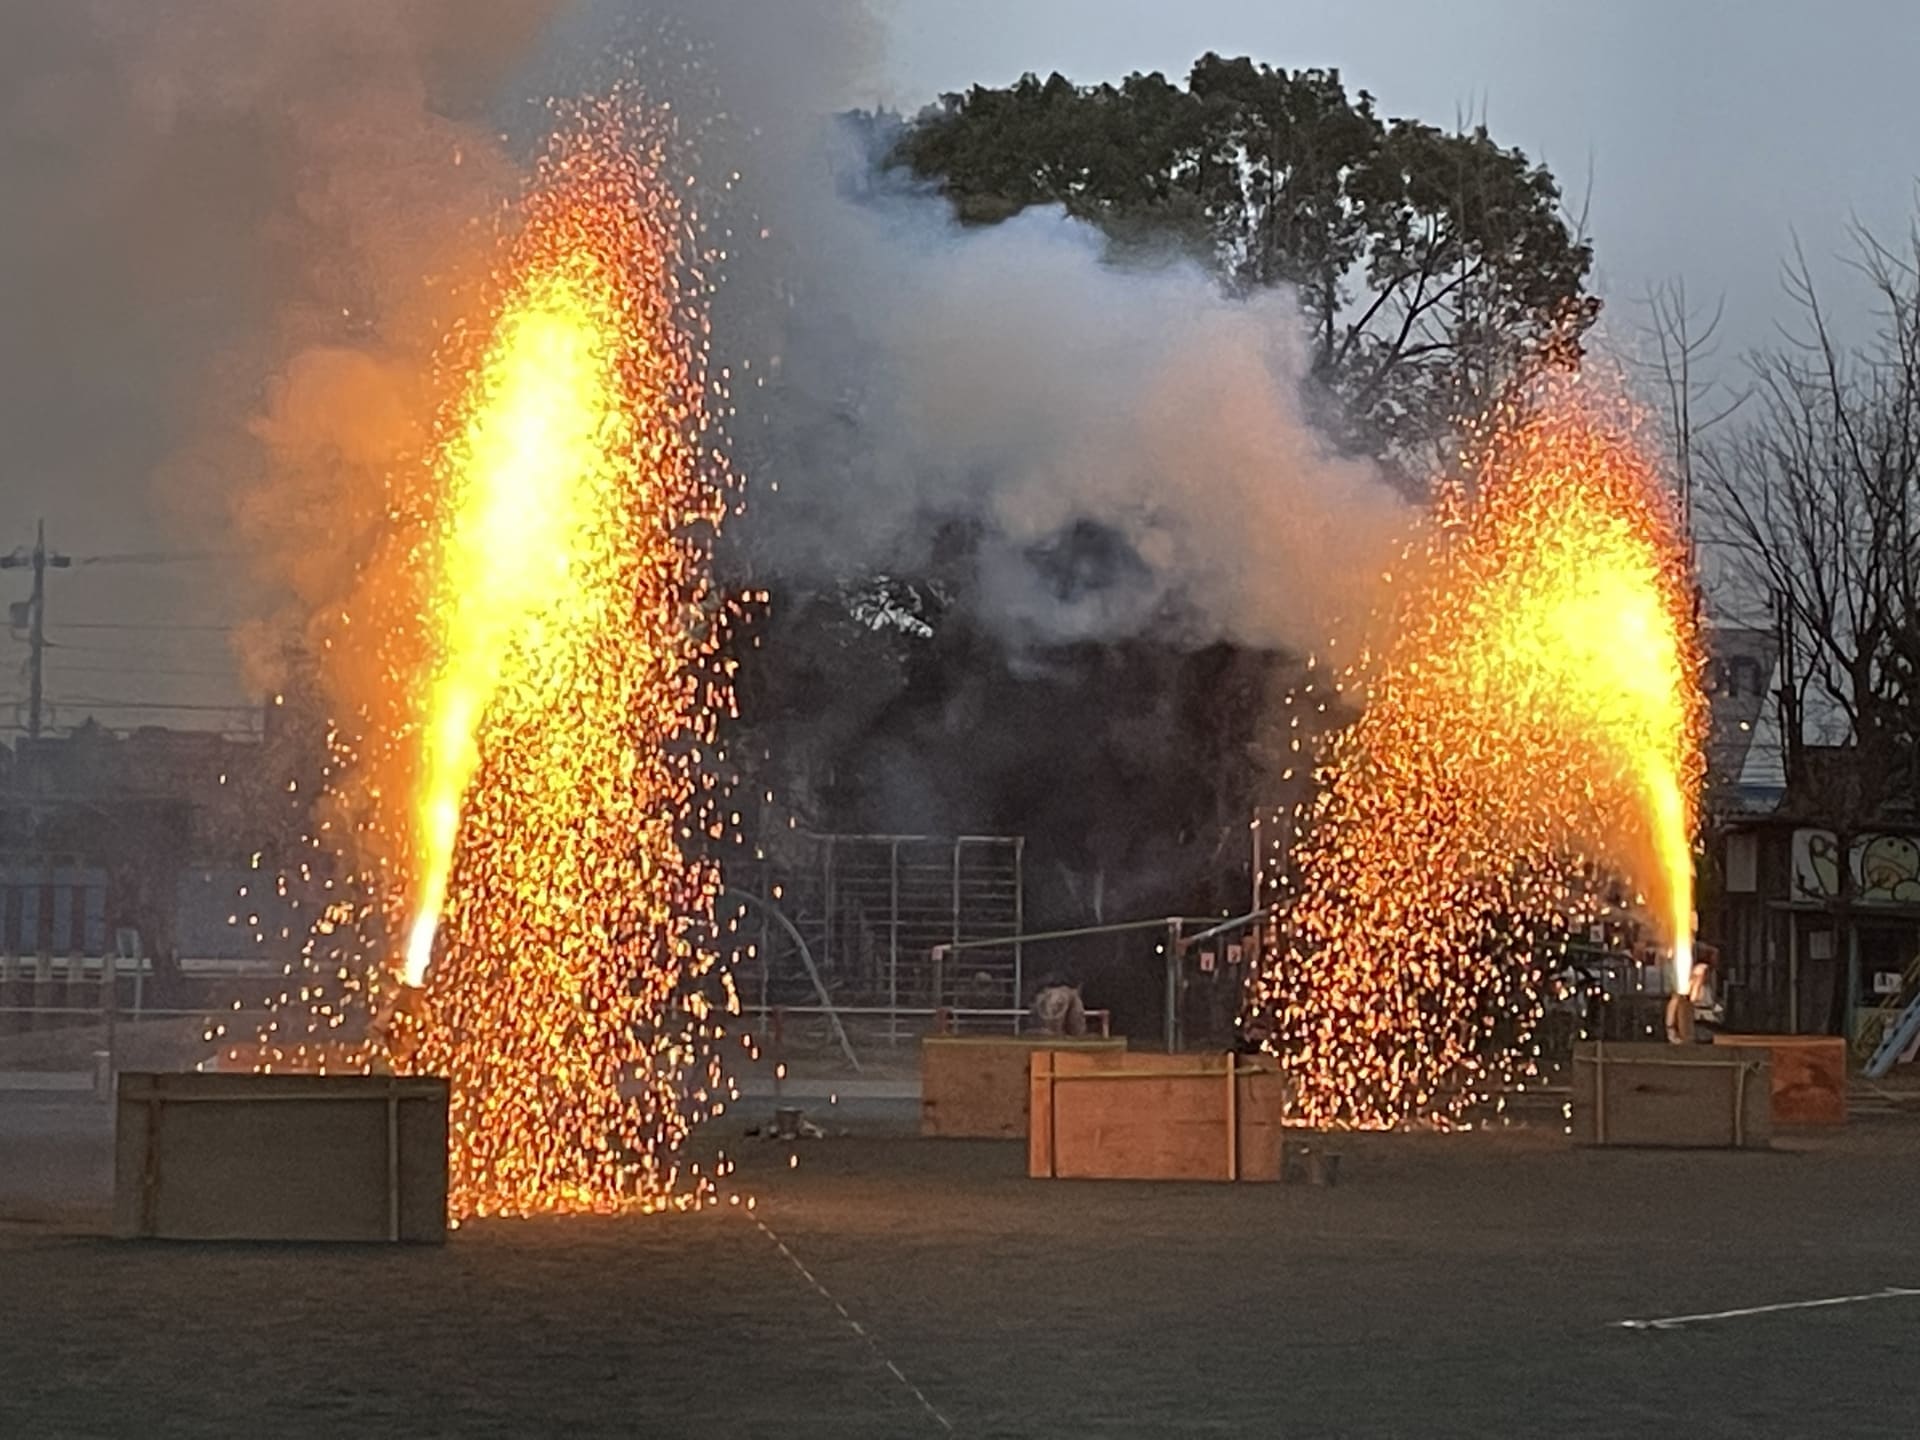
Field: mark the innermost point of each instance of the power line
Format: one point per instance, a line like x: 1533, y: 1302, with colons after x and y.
x: 40, y: 559
x: 228, y: 731
x: 60, y: 667
x: 146, y: 625
x: 157, y: 557
x: 106, y: 703
x: 143, y: 644
x: 137, y: 652
x: 203, y: 644
x: 31, y: 616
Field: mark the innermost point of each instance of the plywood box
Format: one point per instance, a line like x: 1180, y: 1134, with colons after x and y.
x: 280, y: 1157
x: 1809, y: 1076
x: 1703, y: 1096
x: 1107, y: 1116
x: 975, y: 1086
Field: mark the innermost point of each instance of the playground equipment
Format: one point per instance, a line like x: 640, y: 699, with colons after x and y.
x: 1898, y: 1043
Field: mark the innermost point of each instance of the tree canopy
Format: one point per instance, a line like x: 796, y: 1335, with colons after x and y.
x: 1811, y: 505
x: 1432, y: 265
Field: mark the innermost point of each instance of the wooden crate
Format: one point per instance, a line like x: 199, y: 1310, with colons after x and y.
x: 1649, y: 1093
x: 280, y: 1157
x: 1119, y: 1116
x: 1809, y: 1076
x: 975, y: 1086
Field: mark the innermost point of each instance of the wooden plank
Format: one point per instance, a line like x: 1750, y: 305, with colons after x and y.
x: 976, y: 1086
x: 1232, y: 1126
x: 1260, y: 1106
x: 1040, y: 1115
x: 1671, y: 1095
x: 281, y: 1157
x: 1809, y: 1085
x: 1125, y: 1116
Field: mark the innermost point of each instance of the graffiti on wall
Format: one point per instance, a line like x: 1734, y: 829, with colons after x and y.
x: 1886, y: 868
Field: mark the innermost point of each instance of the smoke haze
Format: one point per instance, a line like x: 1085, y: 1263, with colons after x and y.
x: 1131, y: 442
x: 241, y: 229
x: 1128, y: 446
x: 236, y: 232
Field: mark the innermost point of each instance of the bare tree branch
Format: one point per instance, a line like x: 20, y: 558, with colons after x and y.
x: 1813, y: 503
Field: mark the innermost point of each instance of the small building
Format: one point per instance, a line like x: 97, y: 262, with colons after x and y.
x: 155, y: 843
x: 1811, y: 942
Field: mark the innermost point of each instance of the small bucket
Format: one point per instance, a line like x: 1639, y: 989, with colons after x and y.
x: 1323, y: 1168
x: 1301, y: 1163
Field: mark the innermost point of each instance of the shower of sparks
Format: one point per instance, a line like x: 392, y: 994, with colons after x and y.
x: 534, y: 482
x: 1530, y: 740
x: 531, y: 811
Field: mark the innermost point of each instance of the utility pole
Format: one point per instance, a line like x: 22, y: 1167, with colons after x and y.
x: 39, y: 558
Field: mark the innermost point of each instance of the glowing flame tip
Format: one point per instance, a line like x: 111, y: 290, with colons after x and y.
x: 420, y: 947
x: 1683, y: 962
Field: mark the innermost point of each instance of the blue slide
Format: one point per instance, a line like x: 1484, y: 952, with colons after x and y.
x: 1899, y: 1035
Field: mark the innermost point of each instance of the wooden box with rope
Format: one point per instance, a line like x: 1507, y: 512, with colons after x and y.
x: 1132, y: 1116
x: 1697, y: 1096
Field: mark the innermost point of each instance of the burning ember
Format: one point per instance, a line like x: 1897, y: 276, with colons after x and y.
x: 567, y: 708
x: 1534, y: 731
x: 557, y: 688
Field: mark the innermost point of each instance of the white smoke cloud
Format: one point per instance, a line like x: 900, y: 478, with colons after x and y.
x: 1015, y: 377
x: 242, y: 231
x: 1129, y: 447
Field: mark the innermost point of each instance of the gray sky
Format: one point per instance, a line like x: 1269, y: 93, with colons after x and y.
x: 146, y: 241
x: 1712, y: 129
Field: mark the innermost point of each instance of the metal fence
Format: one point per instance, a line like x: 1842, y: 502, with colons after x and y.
x: 68, y: 1022
x: 861, y: 920
x: 77, y: 981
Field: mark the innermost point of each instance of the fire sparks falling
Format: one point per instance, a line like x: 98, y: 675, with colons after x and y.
x: 1534, y: 730
x: 527, y: 808
x: 567, y: 712
x: 533, y: 483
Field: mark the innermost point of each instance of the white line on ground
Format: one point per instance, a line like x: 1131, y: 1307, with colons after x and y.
x: 1675, y: 1322
x: 854, y: 1325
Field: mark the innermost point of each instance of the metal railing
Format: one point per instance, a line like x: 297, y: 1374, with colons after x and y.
x: 776, y: 1025
x: 48, y: 980
x: 24, y: 1027
x: 945, y: 1019
x: 1184, y: 944
x: 866, y: 914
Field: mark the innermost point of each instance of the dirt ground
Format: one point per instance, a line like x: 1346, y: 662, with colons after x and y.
x: 1450, y: 1286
